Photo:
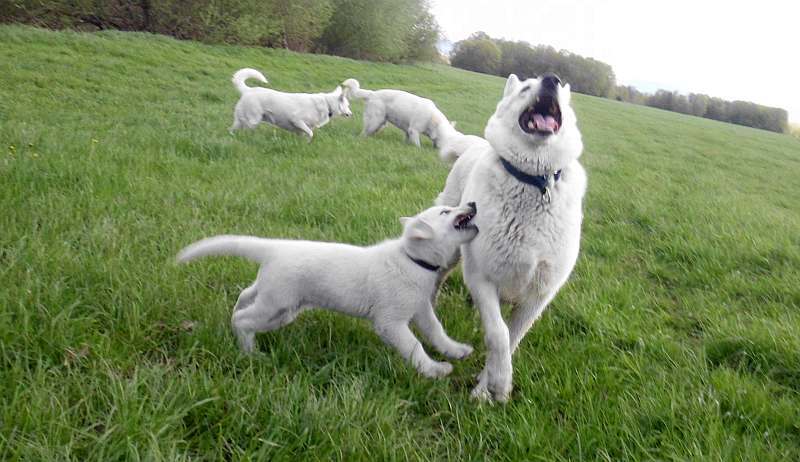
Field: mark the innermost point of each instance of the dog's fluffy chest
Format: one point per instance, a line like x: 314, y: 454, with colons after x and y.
x: 525, y: 239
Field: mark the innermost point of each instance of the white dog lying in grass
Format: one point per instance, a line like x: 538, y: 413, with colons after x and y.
x: 297, y: 112
x: 390, y: 283
x: 530, y: 186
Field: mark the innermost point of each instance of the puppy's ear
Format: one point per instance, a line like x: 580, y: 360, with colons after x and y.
x: 419, y: 229
x: 511, y: 85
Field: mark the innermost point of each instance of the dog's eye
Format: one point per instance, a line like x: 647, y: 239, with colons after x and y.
x: 444, y: 212
x: 524, y: 89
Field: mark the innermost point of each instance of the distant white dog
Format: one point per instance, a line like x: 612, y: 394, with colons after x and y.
x: 411, y: 113
x: 390, y: 283
x: 297, y: 112
x: 530, y: 186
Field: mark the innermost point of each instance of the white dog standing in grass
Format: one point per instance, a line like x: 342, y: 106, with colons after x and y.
x: 391, y: 283
x: 413, y: 114
x: 297, y: 112
x: 530, y: 186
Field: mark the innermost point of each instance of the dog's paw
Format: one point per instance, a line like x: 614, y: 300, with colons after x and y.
x: 437, y: 370
x: 481, y: 393
x: 491, y: 390
x: 458, y: 350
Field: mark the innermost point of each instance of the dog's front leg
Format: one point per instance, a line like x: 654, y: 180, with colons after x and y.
x: 303, y: 127
x: 398, y: 335
x: 495, y: 380
x: 413, y: 137
x: 427, y: 322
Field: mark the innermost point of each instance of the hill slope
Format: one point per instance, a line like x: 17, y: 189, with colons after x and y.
x: 678, y: 336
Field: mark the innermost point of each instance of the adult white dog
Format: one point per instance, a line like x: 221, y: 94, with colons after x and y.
x: 530, y: 187
x: 390, y: 283
x: 413, y: 114
x: 296, y: 112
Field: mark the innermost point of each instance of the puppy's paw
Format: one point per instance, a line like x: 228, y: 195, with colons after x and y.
x: 457, y: 350
x: 437, y: 370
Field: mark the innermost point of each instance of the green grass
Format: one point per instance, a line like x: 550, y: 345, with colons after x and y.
x: 677, y: 337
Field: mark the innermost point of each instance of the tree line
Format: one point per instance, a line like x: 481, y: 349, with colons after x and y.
x: 378, y: 30
x: 481, y: 53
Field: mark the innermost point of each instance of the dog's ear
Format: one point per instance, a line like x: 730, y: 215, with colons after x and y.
x: 417, y: 229
x: 511, y: 85
x: 568, y: 92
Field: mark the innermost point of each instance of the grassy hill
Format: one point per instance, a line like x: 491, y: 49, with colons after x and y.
x: 677, y: 337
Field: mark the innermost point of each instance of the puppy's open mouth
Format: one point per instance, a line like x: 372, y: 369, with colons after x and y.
x: 543, y: 117
x: 463, y: 221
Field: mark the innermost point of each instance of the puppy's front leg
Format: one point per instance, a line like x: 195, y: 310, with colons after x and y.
x: 413, y: 137
x: 398, y: 335
x: 303, y: 127
x: 432, y: 329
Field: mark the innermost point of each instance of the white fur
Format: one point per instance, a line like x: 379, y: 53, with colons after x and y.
x: 297, y: 112
x: 452, y: 143
x: 411, y: 113
x: 380, y: 283
x: 527, y: 244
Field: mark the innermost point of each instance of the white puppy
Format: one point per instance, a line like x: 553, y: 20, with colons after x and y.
x: 530, y: 186
x: 390, y: 283
x: 297, y: 112
x: 411, y: 113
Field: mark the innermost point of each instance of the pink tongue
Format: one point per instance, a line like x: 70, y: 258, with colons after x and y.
x: 545, y: 122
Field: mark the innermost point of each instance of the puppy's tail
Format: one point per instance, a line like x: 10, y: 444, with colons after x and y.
x: 353, y: 89
x: 242, y: 75
x: 252, y: 248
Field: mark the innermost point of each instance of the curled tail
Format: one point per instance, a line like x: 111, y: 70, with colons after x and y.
x: 252, y: 248
x: 242, y: 75
x: 353, y: 89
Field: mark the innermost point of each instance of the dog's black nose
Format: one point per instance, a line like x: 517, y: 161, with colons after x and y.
x: 473, y: 207
x: 550, y: 81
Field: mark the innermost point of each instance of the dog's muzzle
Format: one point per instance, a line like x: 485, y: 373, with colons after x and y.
x: 543, y: 117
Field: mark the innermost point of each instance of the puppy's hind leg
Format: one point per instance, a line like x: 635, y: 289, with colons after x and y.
x: 432, y: 329
x: 374, y: 120
x: 246, y: 297
x: 398, y: 335
x: 262, y: 315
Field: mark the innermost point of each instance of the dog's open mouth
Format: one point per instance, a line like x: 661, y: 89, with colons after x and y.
x: 463, y: 221
x: 543, y: 117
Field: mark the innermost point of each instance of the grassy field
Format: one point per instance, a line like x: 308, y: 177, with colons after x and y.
x: 677, y: 337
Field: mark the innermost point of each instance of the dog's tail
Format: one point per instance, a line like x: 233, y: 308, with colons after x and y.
x: 252, y: 248
x: 241, y: 76
x: 353, y: 89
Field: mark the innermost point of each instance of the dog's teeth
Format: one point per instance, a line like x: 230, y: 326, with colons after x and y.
x: 531, y: 125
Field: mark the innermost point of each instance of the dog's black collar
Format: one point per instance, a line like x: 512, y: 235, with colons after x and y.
x: 540, y: 181
x: 424, y: 264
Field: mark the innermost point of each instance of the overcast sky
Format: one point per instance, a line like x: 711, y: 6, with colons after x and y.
x: 735, y: 49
